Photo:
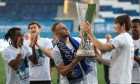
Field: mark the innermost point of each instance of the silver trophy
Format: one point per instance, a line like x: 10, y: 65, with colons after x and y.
x: 85, y: 13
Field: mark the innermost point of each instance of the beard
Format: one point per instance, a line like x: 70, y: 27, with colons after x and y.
x: 64, y: 36
x: 135, y: 33
x: 33, y: 33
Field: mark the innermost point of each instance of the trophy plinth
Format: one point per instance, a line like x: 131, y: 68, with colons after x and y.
x: 85, y: 13
x: 85, y: 53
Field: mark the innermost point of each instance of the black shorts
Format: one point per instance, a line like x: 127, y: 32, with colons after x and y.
x: 40, y: 82
x: 52, y: 64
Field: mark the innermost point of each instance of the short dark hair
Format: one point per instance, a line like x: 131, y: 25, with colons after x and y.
x: 54, y: 26
x: 32, y: 23
x: 124, y: 19
x: 136, y: 20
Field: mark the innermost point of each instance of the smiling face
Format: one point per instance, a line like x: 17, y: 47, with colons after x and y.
x: 61, y: 31
x: 135, y: 28
x: 34, y: 29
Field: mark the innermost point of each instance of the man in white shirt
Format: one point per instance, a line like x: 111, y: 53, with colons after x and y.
x: 74, y: 69
x: 135, y: 29
x: 107, y: 55
x: 122, y: 50
x: 52, y: 64
x: 16, y: 57
x: 40, y: 73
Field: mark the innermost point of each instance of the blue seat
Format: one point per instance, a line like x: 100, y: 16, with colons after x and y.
x: 132, y: 1
x: 19, y: 10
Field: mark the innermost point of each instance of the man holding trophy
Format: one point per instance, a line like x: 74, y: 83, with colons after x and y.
x: 122, y: 50
x: 74, y: 67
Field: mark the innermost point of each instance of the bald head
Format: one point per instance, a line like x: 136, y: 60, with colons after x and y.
x: 108, y: 37
x: 27, y: 36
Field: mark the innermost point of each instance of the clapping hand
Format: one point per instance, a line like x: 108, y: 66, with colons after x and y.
x: 33, y: 40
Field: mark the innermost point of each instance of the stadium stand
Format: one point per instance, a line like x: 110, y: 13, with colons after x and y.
x: 13, y: 11
x: 109, y: 9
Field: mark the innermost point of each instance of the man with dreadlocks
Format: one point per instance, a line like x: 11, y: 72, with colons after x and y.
x: 16, y: 57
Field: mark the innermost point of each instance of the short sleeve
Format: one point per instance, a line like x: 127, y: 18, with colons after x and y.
x: 7, y: 56
x: 56, y: 55
x: 48, y: 44
x: 117, y: 41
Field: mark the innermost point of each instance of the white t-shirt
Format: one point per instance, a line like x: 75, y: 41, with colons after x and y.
x: 20, y: 76
x: 93, y: 76
x: 26, y: 42
x: 41, y: 71
x: 122, y: 59
x: 106, y: 55
x: 136, y: 66
x: 58, y: 60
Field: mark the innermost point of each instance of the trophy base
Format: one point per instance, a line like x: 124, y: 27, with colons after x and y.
x: 85, y: 53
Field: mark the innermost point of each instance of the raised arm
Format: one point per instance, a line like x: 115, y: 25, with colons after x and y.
x: 16, y: 62
x: 102, y: 47
x: 47, y: 52
x: 33, y: 58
